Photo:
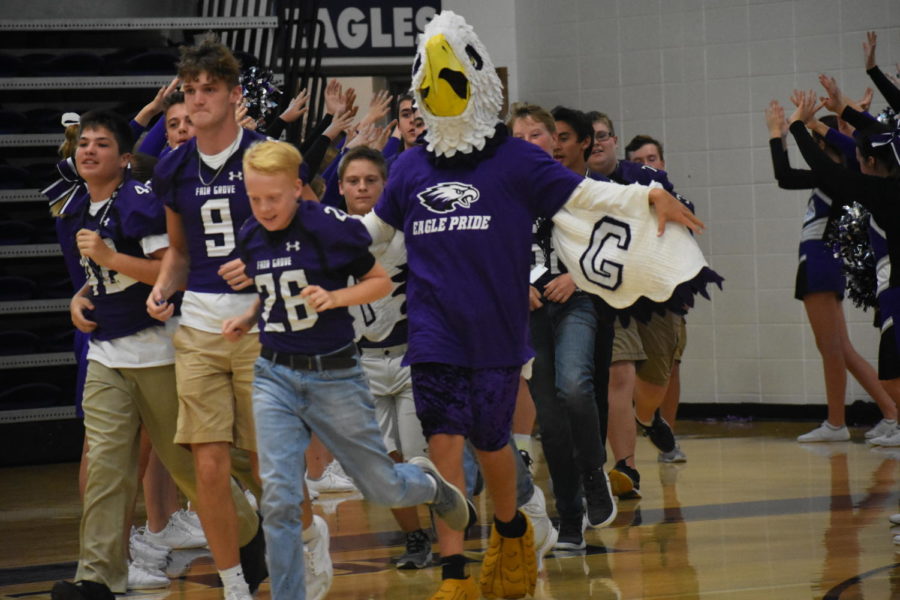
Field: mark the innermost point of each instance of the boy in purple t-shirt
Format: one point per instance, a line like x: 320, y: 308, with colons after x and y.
x: 308, y: 378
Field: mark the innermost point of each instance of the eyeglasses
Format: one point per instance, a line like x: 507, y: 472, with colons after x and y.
x: 601, y: 136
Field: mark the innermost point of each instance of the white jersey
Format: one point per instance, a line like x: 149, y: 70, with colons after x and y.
x: 375, y: 321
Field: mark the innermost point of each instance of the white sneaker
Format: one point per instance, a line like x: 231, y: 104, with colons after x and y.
x: 331, y: 481
x: 891, y: 439
x: 238, y: 593
x: 190, y: 520
x: 676, y: 455
x: 147, y: 552
x: 330, y: 502
x: 545, y: 534
x: 145, y: 577
x: 176, y: 535
x: 897, y: 540
x: 317, y: 562
x: 826, y: 433
x: 881, y: 428
x: 894, y: 519
x: 180, y: 561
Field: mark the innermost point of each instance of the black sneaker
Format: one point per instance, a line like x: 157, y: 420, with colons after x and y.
x: 659, y: 433
x: 418, y: 551
x: 81, y: 590
x: 625, y: 481
x: 253, y: 559
x: 571, y: 534
x: 601, y: 507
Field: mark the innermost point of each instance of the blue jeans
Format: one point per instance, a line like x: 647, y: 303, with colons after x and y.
x: 524, y: 482
x: 562, y: 385
x: 337, y: 406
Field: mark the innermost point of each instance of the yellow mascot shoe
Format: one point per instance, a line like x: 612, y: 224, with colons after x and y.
x: 457, y: 589
x: 509, y: 569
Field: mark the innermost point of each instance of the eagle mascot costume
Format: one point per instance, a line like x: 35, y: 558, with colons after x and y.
x: 465, y: 202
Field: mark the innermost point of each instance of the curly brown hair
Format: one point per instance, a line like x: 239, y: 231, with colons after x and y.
x: 211, y: 56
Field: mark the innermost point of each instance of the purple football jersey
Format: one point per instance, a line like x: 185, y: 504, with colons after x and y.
x: 468, y: 238
x: 322, y: 246
x: 132, y: 214
x: 213, y: 205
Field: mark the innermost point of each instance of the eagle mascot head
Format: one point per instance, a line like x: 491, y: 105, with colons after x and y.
x: 456, y: 87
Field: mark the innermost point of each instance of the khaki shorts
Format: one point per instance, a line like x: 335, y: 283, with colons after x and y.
x: 627, y: 345
x: 681, y: 325
x: 653, y: 345
x: 215, y: 379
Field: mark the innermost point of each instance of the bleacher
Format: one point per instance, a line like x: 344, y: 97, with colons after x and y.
x: 49, y: 67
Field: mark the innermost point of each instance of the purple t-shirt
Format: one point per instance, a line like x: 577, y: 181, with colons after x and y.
x: 468, y: 240
x: 131, y: 215
x: 212, y: 208
x: 322, y: 246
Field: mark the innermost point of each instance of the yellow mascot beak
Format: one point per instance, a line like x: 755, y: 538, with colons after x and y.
x: 445, y: 87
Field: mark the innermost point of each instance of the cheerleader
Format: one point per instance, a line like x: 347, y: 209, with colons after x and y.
x: 877, y: 187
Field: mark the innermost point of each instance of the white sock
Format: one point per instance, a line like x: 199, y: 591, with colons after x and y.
x: 522, y: 441
x: 434, y: 485
x: 234, y: 578
x: 310, y: 533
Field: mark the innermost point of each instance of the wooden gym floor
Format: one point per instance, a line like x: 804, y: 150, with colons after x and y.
x: 751, y: 515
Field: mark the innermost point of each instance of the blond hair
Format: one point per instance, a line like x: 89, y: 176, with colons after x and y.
x: 525, y: 110
x: 271, y: 157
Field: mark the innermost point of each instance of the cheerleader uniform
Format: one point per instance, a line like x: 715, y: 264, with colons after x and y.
x: 881, y: 197
x: 819, y: 270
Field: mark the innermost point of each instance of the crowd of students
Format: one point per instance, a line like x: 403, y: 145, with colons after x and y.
x: 235, y: 317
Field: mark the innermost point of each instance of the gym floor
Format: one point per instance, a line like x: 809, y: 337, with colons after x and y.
x: 752, y: 514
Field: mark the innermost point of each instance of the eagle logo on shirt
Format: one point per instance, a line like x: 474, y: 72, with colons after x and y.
x: 448, y: 196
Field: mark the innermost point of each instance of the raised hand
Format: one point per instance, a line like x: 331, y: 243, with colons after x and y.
x: 379, y: 107
x: 866, y: 101
x: 797, y: 98
x: 339, y: 123
x: 333, y: 94
x: 349, y: 100
x: 155, y: 106
x: 366, y: 135
x: 869, y: 49
x: 807, y: 104
x: 297, y: 108
x: 385, y: 134
x: 835, y: 101
x: 775, y: 120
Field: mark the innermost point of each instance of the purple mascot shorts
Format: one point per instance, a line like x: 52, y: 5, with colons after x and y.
x: 475, y: 403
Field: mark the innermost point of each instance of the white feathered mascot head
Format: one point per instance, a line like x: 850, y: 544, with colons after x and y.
x: 456, y: 87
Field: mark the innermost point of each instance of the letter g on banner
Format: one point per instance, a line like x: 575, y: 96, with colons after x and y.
x: 608, y: 233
